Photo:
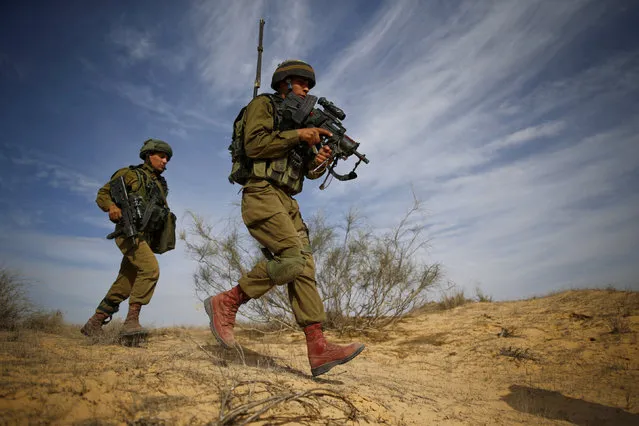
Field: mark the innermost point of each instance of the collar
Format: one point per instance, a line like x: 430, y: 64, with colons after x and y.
x: 147, y: 167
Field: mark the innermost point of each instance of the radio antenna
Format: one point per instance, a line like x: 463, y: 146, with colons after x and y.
x: 260, y: 49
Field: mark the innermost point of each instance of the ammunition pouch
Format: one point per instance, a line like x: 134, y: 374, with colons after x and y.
x: 157, y: 218
x: 163, y: 237
x: 285, y: 172
x: 241, y: 168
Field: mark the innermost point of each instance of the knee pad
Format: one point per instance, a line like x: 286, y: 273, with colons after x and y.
x: 284, y: 268
x: 108, y: 307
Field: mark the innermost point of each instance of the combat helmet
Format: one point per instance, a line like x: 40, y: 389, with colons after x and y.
x: 155, y: 145
x: 293, y: 67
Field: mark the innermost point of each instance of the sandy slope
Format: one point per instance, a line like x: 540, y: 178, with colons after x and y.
x: 562, y: 365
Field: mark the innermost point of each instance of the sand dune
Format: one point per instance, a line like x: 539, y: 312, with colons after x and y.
x: 568, y: 358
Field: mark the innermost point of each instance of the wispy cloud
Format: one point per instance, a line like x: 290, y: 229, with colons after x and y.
x: 57, y: 175
x: 226, y: 38
x: 513, y: 165
x: 528, y: 134
x: 144, y: 97
x: 181, y: 116
x: 36, y: 165
x: 137, y: 45
x: 10, y: 69
x: 514, y: 127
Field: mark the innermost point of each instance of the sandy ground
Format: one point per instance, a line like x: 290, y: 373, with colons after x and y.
x: 569, y: 358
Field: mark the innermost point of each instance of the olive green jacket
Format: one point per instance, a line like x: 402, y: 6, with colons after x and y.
x: 131, y: 180
x: 262, y: 142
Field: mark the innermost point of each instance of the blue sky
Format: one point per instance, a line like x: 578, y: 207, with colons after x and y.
x: 516, y: 122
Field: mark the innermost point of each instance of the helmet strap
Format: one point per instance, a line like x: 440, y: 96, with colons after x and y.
x: 290, y: 86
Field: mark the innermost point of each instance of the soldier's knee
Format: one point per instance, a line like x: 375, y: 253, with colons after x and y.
x: 287, y: 266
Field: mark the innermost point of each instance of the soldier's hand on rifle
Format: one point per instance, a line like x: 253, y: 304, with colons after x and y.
x: 115, y: 213
x: 312, y: 135
x: 323, y: 154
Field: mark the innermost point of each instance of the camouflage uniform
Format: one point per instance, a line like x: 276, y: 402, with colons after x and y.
x: 139, y: 269
x: 273, y: 218
x: 275, y: 170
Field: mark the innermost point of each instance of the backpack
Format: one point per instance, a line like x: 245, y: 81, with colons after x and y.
x: 242, y: 167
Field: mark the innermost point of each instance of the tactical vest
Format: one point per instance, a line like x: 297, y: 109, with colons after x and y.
x: 286, y: 172
x: 146, y: 181
x: 160, y: 230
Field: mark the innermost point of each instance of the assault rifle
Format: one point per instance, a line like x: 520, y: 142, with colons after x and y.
x: 136, y: 218
x: 302, y: 112
x: 131, y: 206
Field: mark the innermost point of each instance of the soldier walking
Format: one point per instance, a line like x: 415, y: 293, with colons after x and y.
x: 278, y: 155
x: 139, y: 269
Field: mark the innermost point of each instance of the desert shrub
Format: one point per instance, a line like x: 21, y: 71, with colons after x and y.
x: 14, y: 304
x: 618, y: 324
x: 481, y: 296
x: 366, y: 278
x: 453, y: 299
x: 45, y: 321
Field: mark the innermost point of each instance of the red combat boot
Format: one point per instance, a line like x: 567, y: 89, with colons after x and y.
x: 221, y: 310
x: 323, y: 355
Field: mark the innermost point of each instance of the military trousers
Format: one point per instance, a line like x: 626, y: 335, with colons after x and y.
x: 273, y: 218
x: 137, y: 278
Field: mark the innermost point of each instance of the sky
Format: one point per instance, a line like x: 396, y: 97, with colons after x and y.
x: 515, y: 122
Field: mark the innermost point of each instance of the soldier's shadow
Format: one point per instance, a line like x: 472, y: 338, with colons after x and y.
x: 241, y: 355
x: 553, y: 405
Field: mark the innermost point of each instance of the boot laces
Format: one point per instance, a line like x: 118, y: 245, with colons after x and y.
x: 228, y: 314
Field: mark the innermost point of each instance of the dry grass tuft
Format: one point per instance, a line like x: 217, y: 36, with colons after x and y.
x: 580, y: 317
x: 508, y: 332
x: 453, y: 300
x: 518, y: 353
x: 46, y: 322
x: 254, y: 400
x: 110, y: 334
x: 480, y: 296
x: 618, y: 324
